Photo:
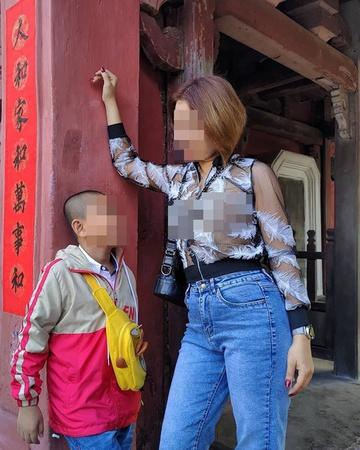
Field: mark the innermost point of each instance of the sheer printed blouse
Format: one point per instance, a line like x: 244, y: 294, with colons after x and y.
x: 264, y: 232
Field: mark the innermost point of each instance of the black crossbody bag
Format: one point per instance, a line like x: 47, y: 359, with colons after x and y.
x: 171, y: 284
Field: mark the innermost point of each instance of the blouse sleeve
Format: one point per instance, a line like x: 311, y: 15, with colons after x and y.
x: 158, y: 177
x: 278, y: 236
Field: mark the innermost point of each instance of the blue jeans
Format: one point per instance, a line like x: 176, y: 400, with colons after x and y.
x: 236, y: 344
x: 120, y: 439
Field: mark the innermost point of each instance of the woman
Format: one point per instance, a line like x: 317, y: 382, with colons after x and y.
x: 238, y: 341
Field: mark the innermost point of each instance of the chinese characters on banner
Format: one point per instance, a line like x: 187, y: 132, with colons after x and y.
x: 20, y: 157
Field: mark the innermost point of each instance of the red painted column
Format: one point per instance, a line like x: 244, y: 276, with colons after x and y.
x: 199, y: 53
x: 150, y: 253
x: 74, y: 38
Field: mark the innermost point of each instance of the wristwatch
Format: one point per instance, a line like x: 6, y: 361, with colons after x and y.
x: 308, y: 330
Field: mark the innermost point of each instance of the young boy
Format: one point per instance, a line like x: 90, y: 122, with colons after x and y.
x: 65, y: 327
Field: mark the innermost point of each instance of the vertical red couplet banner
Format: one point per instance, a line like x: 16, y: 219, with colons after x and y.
x: 19, y: 156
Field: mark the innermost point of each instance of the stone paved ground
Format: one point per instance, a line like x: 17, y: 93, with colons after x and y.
x: 324, y: 417
x: 329, y: 411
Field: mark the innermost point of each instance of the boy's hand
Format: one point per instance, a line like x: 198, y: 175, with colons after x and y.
x: 30, y: 424
x: 140, y: 349
x: 141, y: 345
x: 110, y: 83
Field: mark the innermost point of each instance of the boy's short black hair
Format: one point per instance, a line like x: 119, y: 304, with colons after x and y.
x: 75, y: 205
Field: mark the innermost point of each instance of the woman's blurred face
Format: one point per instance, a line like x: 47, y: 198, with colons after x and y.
x: 189, y: 134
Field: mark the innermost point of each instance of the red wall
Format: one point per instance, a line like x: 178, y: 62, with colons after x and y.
x: 74, y: 39
x: 150, y: 252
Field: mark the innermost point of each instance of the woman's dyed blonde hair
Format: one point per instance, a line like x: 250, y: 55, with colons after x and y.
x: 219, y: 107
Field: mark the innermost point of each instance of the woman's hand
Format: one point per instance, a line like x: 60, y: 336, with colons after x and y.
x: 300, y: 360
x: 108, y: 94
x: 110, y: 82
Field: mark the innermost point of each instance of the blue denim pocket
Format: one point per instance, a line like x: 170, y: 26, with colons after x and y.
x: 241, y: 295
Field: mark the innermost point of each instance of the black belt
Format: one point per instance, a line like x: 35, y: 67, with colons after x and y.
x: 219, y: 268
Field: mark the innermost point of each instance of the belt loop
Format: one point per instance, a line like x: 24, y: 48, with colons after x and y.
x: 198, y: 284
x: 268, y: 275
x: 212, y: 285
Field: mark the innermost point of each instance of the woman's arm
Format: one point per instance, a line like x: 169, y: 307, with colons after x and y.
x: 158, y: 177
x: 279, y: 241
x: 278, y: 236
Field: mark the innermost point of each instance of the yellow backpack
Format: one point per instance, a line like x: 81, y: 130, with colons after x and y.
x: 122, y: 336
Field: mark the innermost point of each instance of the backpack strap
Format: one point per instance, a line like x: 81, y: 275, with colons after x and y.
x: 100, y: 294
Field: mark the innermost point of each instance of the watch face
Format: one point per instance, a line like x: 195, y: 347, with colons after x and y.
x: 311, y: 332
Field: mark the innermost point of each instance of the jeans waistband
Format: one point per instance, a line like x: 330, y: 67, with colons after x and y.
x: 219, y: 268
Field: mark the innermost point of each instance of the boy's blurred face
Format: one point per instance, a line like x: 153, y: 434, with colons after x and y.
x: 103, y: 226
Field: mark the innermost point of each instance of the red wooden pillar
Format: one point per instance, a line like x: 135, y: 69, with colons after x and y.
x: 199, y: 31
x: 196, y: 21
x: 347, y: 220
x: 73, y: 39
x: 150, y: 252
x: 184, y: 50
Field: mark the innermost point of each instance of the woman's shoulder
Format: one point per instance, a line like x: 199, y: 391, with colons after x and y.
x: 254, y: 165
x: 246, y: 172
x: 238, y: 160
x: 238, y: 172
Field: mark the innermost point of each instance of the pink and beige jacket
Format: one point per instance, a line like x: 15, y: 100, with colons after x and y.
x: 65, y: 327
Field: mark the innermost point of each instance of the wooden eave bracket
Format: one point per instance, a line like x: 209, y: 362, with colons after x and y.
x: 340, y: 102
x: 163, y: 48
x: 275, y: 2
x: 151, y: 6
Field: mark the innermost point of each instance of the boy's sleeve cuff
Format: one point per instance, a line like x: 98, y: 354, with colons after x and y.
x: 32, y: 402
x: 117, y: 130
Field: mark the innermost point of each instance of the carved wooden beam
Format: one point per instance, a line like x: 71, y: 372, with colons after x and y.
x: 273, y: 106
x: 275, y: 2
x: 340, y: 102
x: 321, y: 18
x: 268, y: 76
x: 264, y: 28
x: 164, y: 48
x: 342, y: 40
x: 281, y: 126
x: 303, y: 89
x: 323, y: 24
x: 152, y: 6
x: 294, y: 7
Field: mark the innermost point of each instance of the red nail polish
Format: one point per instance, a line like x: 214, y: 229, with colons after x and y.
x: 288, y: 383
x: 102, y: 69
